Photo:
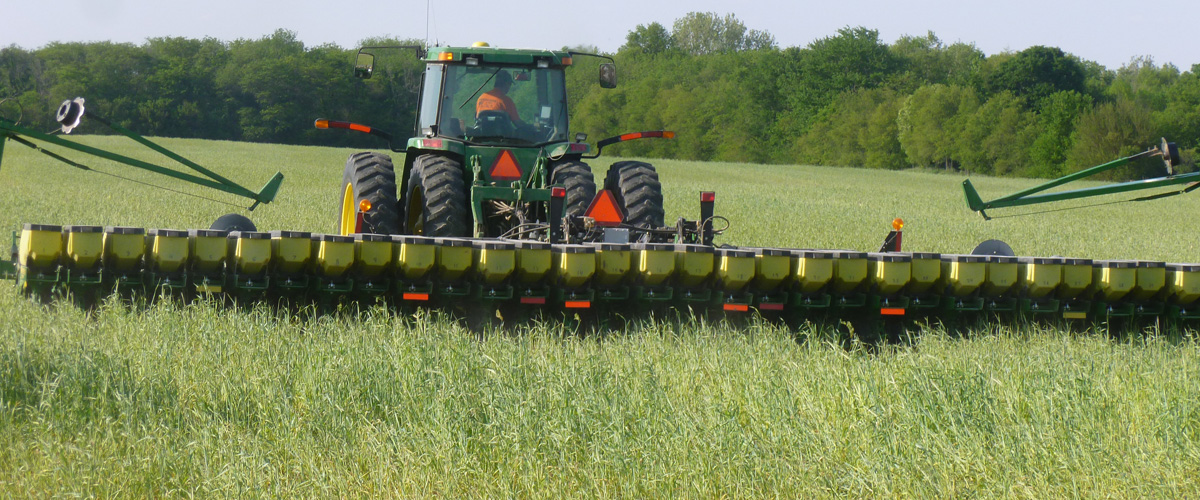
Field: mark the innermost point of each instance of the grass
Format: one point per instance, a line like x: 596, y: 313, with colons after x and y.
x: 771, y: 205
x: 203, y: 399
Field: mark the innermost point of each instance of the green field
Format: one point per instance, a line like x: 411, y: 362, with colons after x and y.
x: 207, y: 400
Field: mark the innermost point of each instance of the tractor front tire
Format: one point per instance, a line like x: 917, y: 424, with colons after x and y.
x: 576, y: 177
x: 436, y: 200
x: 637, y: 190
x: 371, y: 177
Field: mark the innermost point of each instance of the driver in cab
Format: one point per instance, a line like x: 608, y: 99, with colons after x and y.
x: 497, y: 99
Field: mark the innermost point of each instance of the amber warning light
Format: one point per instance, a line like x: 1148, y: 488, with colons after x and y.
x: 325, y: 124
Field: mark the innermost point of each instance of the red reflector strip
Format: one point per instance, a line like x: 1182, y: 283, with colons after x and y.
x: 770, y: 307
x: 737, y: 307
x: 416, y: 296
x: 431, y: 143
x: 891, y: 311
x: 533, y: 300
x: 708, y: 196
x: 360, y: 128
x: 577, y: 304
x: 630, y: 137
x: 558, y: 192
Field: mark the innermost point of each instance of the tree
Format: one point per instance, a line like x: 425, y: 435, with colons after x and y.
x: 1143, y: 81
x: 20, y: 71
x: 699, y: 33
x: 264, y: 77
x: 23, y: 79
x: 926, y: 60
x: 649, y: 39
x: 931, y: 122
x: 858, y: 130
x: 813, y: 77
x: 185, y: 100
x: 1113, y: 130
x: 1037, y: 72
x: 997, y: 137
x: 1179, y: 121
x: 1056, y: 124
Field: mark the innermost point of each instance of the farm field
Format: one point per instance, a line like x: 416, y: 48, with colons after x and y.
x: 202, y: 399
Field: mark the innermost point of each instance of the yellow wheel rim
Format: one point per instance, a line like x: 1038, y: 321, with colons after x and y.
x: 349, y: 214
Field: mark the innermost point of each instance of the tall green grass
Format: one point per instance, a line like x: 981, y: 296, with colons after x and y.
x: 202, y: 399
x: 206, y: 399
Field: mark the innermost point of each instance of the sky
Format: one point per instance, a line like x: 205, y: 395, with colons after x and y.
x: 1110, y: 32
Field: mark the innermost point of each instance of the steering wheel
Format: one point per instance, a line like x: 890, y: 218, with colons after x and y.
x: 493, y: 123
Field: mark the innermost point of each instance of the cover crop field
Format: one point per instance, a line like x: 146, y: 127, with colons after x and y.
x: 203, y: 399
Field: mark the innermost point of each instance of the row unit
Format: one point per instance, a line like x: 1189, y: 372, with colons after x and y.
x: 212, y: 256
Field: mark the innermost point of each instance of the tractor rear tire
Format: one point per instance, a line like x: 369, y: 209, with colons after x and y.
x: 369, y: 176
x: 436, y: 200
x: 577, y: 178
x: 637, y: 190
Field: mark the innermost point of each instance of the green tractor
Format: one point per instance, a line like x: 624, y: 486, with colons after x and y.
x: 492, y: 157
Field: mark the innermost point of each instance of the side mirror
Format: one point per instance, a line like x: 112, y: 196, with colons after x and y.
x: 608, y: 76
x: 364, y: 65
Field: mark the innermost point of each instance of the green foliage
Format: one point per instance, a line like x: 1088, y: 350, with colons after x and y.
x: 931, y: 122
x: 20, y: 70
x: 1145, y: 82
x: 1060, y: 111
x: 1180, y: 118
x: 997, y: 137
x: 188, y: 96
x: 927, y: 60
x: 727, y: 90
x: 699, y: 33
x: 858, y: 130
x: 1113, y: 130
x: 1036, y: 73
x: 855, y: 59
x: 267, y: 90
x: 650, y: 39
x: 110, y: 76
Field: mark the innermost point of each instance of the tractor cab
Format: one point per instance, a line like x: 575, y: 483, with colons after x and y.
x: 500, y: 105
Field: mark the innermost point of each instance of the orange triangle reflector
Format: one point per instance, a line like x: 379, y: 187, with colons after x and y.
x: 605, y: 210
x: 505, y: 168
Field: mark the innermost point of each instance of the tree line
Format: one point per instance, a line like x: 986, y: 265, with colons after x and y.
x: 265, y: 90
x: 730, y: 93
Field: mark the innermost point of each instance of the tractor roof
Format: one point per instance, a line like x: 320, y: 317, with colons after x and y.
x: 496, y: 55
